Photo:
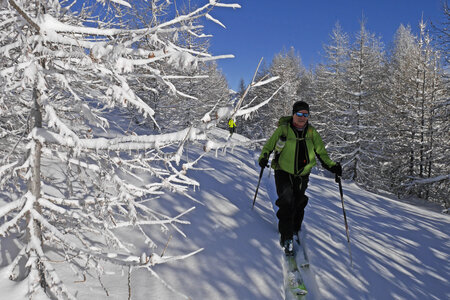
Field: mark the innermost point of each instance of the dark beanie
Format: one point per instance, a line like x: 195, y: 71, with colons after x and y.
x: 300, y: 105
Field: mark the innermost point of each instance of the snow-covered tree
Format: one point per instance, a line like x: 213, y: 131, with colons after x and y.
x: 416, y: 149
x: 442, y: 33
x: 68, y: 70
x: 288, y: 66
x: 386, y: 119
x: 241, y: 89
x: 330, y: 91
x: 360, y: 125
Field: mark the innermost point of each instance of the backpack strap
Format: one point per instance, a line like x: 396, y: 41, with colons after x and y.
x: 283, y: 122
x: 284, y: 130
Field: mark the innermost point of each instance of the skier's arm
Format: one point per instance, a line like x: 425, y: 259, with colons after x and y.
x: 321, y: 152
x: 270, y: 144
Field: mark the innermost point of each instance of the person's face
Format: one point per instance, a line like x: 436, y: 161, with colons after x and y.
x: 300, y: 118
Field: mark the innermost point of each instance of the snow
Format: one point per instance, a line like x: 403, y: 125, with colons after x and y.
x: 124, y: 3
x: 209, y: 17
x: 399, y: 251
x: 394, y: 246
x: 215, y: 246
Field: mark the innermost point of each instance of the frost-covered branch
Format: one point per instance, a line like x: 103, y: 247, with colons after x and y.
x: 86, y: 155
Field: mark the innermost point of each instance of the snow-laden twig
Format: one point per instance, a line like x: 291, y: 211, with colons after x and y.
x: 155, y: 259
x: 121, y: 2
x: 26, y: 202
x: 249, y: 110
x: 264, y: 82
x: 8, y: 207
x: 115, y: 258
x: 241, y: 99
x: 229, y: 5
x: 54, y: 121
x: 175, y: 219
x: 209, y: 17
x: 6, y: 168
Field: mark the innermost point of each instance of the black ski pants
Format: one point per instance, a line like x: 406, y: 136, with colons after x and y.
x: 291, y: 202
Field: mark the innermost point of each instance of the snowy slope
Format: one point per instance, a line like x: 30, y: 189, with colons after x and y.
x: 399, y: 251
x: 241, y: 257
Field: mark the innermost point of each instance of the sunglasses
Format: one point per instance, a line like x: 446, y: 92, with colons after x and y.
x: 300, y: 114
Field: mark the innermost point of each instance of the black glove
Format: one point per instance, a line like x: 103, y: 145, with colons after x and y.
x: 337, y: 169
x: 264, y: 161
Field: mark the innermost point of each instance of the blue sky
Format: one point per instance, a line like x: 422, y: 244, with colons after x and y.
x: 261, y: 28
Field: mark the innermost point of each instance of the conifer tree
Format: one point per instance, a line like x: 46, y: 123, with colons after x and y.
x: 418, y: 97
x: 330, y: 91
x: 361, y: 125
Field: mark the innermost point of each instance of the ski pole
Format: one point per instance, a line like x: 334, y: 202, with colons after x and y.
x: 338, y: 180
x: 257, y: 187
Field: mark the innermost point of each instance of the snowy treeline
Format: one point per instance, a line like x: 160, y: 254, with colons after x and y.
x: 383, y: 114
x: 72, y: 174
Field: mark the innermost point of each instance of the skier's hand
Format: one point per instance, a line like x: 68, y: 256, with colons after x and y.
x: 264, y: 161
x: 337, y: 169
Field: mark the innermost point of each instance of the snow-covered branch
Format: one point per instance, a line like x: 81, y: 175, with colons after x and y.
x: 126, y: 143
x: 430, y: 180
x: 249, y: 110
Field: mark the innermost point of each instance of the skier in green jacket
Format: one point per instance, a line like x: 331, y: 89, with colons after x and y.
x: 231, y: 126
x: 296, y: 144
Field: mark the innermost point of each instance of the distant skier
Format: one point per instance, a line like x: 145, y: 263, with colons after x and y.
x: 296, y: 144
x: 231, y: 126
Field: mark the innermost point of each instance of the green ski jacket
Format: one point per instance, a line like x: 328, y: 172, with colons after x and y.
x: 299, y: 153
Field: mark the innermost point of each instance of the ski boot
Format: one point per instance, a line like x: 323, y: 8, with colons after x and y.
x: 288, y: 247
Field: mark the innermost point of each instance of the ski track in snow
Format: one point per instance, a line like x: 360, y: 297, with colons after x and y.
x: 308, y: 273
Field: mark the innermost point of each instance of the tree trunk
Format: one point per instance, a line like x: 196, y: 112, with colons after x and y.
x: 34, y: 184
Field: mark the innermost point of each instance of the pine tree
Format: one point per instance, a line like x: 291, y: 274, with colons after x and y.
x: 242, y: 87
x: 330, y: 92
x: 361, y: 130
x: 417, y: 163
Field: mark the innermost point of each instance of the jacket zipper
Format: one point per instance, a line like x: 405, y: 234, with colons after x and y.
x: 300, y: 140
x: 296, y: 152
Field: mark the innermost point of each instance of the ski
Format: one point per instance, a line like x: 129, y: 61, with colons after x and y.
x: 303, y: 257
x: 295, y: 280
